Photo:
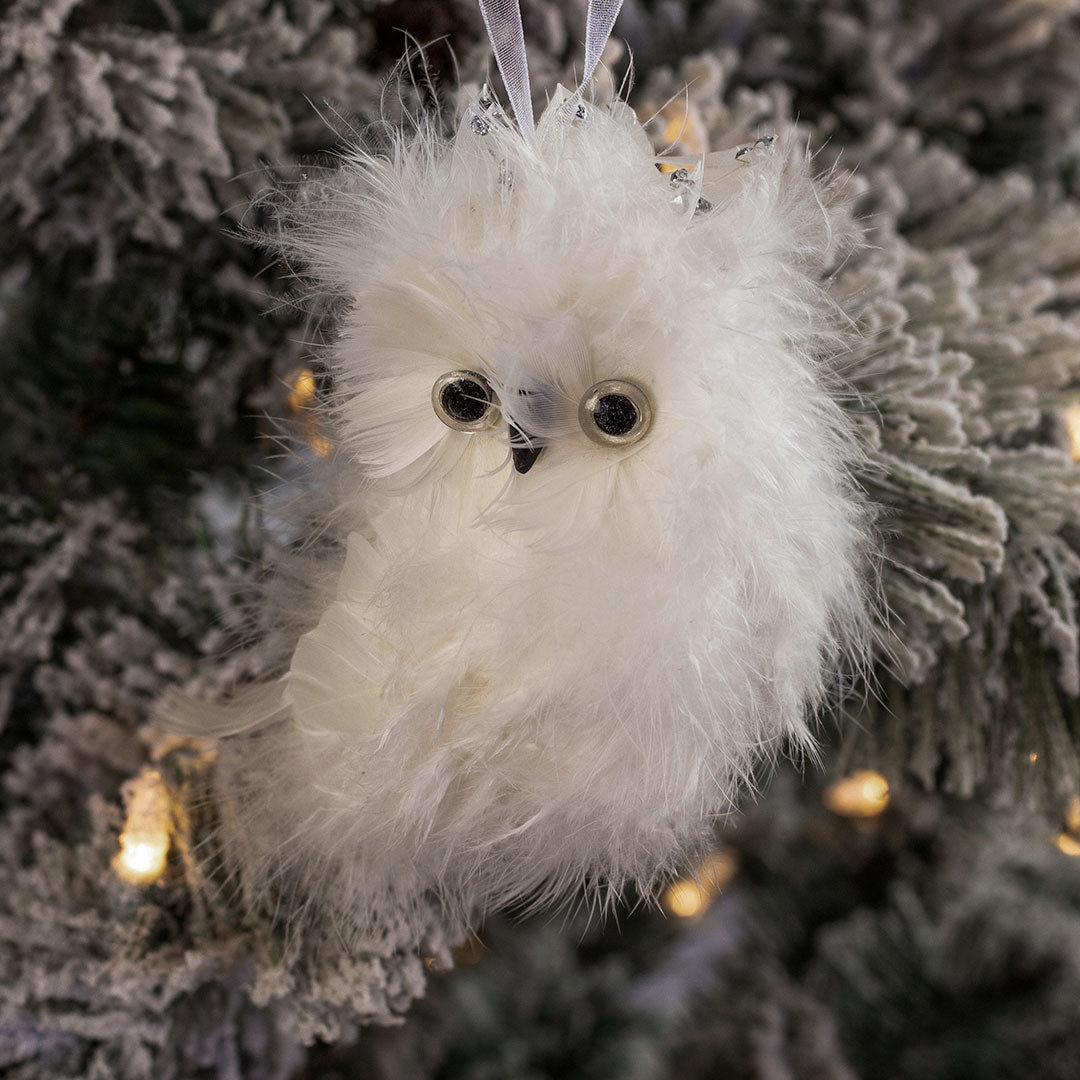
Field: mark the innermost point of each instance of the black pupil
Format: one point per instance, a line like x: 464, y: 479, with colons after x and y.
x: 465, y: 400
x: 615, y: 414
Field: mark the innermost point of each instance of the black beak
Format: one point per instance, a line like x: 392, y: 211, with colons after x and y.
x: 524, y: 453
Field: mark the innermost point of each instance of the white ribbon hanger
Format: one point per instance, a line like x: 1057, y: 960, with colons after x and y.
x: 503, y: 21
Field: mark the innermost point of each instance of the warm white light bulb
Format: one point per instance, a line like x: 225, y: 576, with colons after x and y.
x: 685, y: 899
x: 1072, y: 426
x: 1068, y: 844
x: 144, y: 860
x: 863, y: 794
x: 144, y: 843
x: 691, y: 896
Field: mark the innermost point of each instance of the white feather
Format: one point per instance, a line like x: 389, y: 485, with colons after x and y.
x: 520, y: 684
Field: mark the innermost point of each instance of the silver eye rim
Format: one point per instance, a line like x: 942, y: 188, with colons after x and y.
x: 590, y: 404
x: 438, y: 403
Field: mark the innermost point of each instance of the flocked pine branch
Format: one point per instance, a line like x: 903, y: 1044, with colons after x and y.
x: 102, y: 977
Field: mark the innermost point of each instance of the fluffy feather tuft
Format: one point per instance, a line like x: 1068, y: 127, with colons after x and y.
x: 522, y: 683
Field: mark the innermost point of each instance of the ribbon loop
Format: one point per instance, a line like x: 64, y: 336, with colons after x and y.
x: 503, y: 21
x: 598, y: 26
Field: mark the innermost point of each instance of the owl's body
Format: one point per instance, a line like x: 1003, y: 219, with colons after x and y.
x: 530, y: 678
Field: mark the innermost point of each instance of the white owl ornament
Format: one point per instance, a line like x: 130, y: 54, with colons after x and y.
x: 599, y: 549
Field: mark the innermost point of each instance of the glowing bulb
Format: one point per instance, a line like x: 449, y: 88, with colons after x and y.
x: 145, y: 859
x: 691, y: 896
x: 685, y: 899
x: 302, y: 389
x: 683, y: 127
x: 1033, y: 757
x: 1072, y: 426
x: 863, y: 794
x: 321, y: 445
x: 144, y: 843
x: 1068, y: 844
x: 1072, y: 815
x: 674, y: 128
x: 717, y: 870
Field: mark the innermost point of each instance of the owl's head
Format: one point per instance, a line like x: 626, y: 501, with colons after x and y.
x: 541, y: 327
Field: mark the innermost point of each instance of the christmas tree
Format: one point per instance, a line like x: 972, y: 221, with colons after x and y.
x: 908, y: 905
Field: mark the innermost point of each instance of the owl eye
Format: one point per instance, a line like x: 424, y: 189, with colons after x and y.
x: 463, y: 400
x: 615, y: 413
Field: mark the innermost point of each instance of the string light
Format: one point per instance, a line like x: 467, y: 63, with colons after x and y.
x: 1067, y: 841
x: 685, y: 899
x: 689, y: 897
x: 144, y: 843
x: 683, y: 128
x: 320, y: 444
x: 1072, y: 426
x: 863, y: 794
x: 1068, y: 844
x: 302, y: 389
x: 1072, y: 815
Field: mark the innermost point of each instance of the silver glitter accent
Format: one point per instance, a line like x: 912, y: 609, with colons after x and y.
x: 765, y: 142
x: 703, y: 206
x: 685, y: 198
x: 492, y: 112
x: 581, y: 112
